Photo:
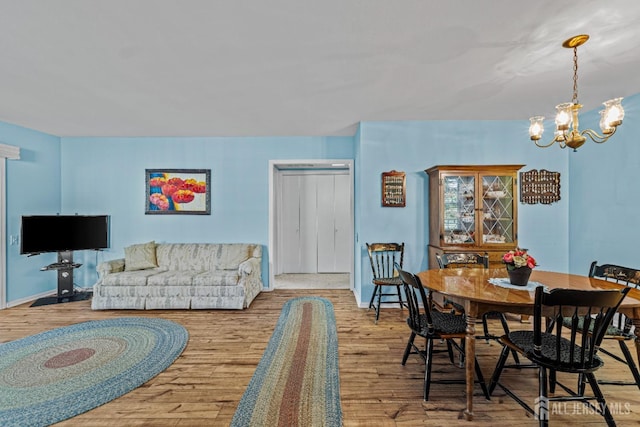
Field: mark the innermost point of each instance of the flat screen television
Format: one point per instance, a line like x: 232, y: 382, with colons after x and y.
x: 58, y: 233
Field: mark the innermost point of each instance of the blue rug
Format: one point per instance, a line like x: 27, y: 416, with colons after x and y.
x: 296, y: 382
x: 55, y: 375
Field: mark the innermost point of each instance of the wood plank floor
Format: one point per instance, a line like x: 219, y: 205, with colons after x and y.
x: 205, y: 384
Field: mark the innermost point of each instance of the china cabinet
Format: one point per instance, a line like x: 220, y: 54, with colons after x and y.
x: 473, y: 209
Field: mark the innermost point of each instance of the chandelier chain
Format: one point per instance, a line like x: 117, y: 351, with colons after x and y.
x: 575, y: 75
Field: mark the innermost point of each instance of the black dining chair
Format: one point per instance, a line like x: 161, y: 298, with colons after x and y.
x: 620, y: 329
x: 570, y: 349
x: 433, y: 325
x: 382, y: 257
x: 471, y: 260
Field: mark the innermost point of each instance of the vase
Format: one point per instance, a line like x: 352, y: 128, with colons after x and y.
x: 519, y: 276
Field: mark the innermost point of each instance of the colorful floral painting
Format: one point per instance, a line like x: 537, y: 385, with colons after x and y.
x: 178, y: 191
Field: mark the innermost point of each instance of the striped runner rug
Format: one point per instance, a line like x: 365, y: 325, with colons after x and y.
x: 296, y: 382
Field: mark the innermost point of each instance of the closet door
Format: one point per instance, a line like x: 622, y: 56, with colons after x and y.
x: 342, y: 224
x: 333, y: 223
x: 308, y: 243
x: 298, y: 228
x: 289, y: 224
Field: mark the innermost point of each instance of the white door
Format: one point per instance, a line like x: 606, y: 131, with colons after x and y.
x: 333, y: 223
x: 289, y: 224
x: 308, y: 244
x: 314, y: 224
x: 342, y: 224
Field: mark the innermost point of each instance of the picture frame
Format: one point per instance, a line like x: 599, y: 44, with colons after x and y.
x: 541, y: 186
x: 178, y: 191
x: 394, y: 189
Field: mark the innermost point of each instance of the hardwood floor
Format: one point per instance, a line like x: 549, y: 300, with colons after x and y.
x: 205, y: 384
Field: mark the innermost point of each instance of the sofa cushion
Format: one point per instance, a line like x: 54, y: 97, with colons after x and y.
x: 217, y: 278
x: 172, y: 278
x: 204, y: 256
x: 131, y: 278
x: 140, y: 257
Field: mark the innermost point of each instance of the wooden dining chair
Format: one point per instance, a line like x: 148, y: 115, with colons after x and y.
x: 433, y: 325
x: 620, y: 329
x: 471, y: 260
x: 569, y: 349
x: 383, y: 257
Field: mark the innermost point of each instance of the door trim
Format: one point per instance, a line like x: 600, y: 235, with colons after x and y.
x: 275, y: 167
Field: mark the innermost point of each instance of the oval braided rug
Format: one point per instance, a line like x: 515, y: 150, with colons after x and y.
x: 296, y: 382
x: 55, y: 375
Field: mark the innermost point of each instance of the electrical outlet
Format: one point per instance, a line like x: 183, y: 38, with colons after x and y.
x: 13, y: 240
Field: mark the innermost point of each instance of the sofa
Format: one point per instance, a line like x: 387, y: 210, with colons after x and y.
x: 180, y: 276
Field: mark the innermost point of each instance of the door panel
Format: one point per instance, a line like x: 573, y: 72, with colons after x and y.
x: 326, y: 239
x: 342, y: 224
x: 308, y: 225
x: 289, y: 225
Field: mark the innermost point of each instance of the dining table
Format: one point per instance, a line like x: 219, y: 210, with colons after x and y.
x: 481, y: 290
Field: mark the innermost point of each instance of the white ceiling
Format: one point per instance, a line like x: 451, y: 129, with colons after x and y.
x: 301, y: 67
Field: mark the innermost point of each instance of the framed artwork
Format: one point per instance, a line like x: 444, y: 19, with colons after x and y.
x: 178, y: 191
x: 539, y: 186
x: 394, y: 189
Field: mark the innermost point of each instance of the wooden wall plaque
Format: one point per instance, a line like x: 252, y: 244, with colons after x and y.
x: 539, y: 186
x: 394, y: 189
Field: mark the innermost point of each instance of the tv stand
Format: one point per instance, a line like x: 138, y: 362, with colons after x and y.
x: 66, y: 293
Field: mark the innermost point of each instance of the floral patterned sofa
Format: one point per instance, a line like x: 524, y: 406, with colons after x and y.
x: 180, y: 276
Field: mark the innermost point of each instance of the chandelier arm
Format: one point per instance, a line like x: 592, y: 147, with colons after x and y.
x: 553, y: 141
x: 596, y: 137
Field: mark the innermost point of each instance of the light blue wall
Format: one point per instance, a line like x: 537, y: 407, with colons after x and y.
x: 33, y: 187
x: 605, y: 196
x: 413, y: 147
x: 593, y: 219
x: 107, y: 175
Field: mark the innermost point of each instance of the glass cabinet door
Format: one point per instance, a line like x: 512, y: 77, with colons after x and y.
x: 459, y: 209
x: 497, y: 209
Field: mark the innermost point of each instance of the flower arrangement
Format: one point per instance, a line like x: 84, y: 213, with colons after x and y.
x: 518, y: 258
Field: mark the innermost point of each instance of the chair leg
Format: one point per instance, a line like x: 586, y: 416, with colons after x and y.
x: 483, y: 385
x: 485, y: 327
x: 499, y: 367
x: 373, y: 296
x: 450, y: 351
x: 552, y: 381
x: 505, y: 327
x: 407, y: 350
x: 377, y: 291
x: 400, y: 298
x: 602, y: 404
x: 630, y: 362
x: 542, y: 410
x: 427, y: 368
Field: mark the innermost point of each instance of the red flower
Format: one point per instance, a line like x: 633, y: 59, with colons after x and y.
x: 160, y: 201
x: 178, y: 182
x: 183, y: 196
x: 157, y: 182
x: 518, y: 258
x: 169, y: 189
x: 195, y: 186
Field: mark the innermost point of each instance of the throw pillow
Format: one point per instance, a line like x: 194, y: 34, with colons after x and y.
x: 140, y: 257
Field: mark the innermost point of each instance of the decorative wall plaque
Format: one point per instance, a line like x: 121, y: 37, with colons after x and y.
x: 393, y: 189
x: 539, y: 186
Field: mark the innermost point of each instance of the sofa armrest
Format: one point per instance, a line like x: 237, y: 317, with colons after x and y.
x: 108, y: 267
x: 250, y: 267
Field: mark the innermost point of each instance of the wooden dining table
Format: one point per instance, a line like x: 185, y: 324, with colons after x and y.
x: 471, y: 288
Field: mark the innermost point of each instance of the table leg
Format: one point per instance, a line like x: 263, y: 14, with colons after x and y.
x: 470, y: 357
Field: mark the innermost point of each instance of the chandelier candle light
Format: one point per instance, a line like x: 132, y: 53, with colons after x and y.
x: 567, y: 132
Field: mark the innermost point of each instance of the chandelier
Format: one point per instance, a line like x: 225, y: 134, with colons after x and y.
x: 567, y: 132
